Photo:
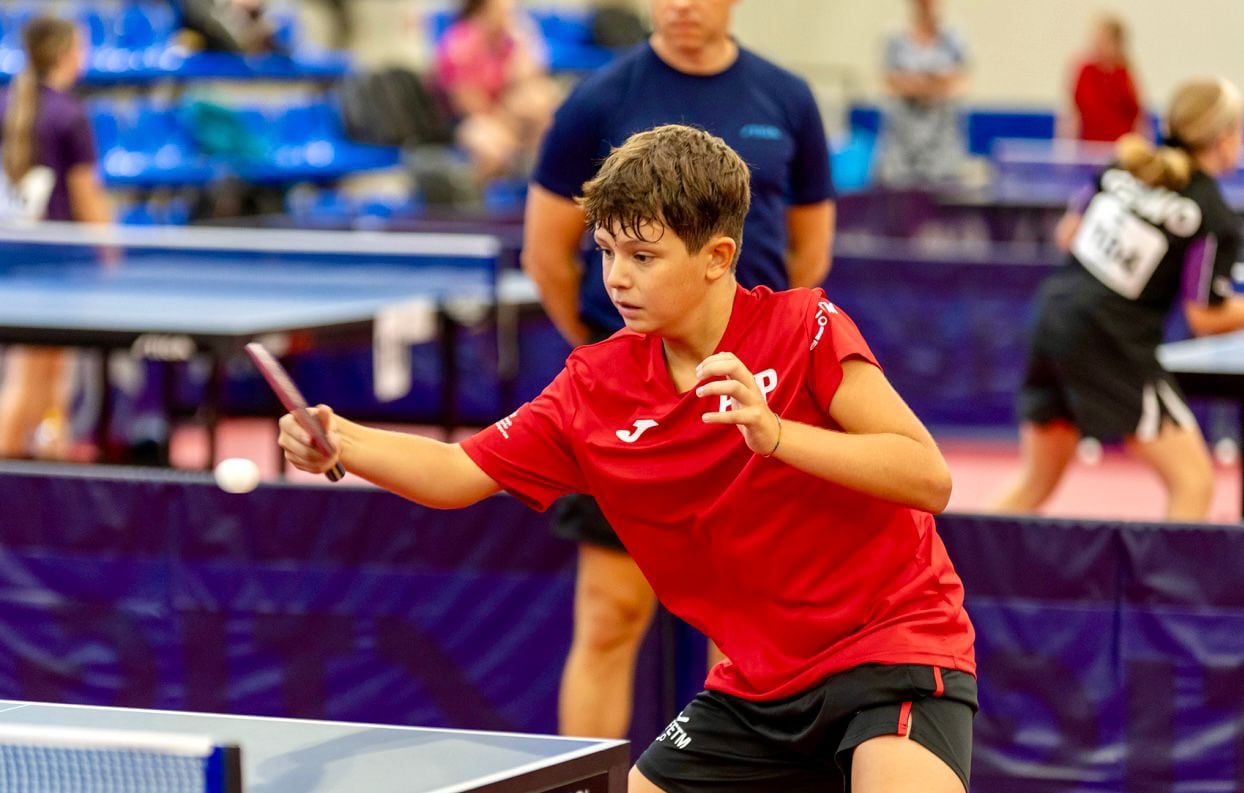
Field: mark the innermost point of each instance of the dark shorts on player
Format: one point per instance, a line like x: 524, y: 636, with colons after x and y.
x: 804, y: 743
x: 1081, y: 372
x: 578, y: 518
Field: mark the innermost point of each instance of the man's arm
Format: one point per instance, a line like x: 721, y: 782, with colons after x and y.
x: 426, y: 471
x: 810, y: 229
x: 883, y: 449
x: 552, y: 231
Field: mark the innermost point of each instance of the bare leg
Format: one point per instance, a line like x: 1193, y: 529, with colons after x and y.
x: 613, y: 609
x: 1045, y: 450
x: 897, y: 764
x: 1182, y: 461
x: 715, y: 655
x: 33, y: 386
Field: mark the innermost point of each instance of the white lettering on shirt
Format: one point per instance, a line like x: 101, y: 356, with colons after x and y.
x: 766, y: 381
x: 824, y: 309
x: 676, y: 734
x: 1179, y: 214
x: 504, y: 425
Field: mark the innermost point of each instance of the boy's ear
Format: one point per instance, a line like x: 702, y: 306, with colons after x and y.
x: 721, y: 256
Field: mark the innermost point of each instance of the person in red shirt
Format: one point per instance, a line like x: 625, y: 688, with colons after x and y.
x: 1107, y: 104
x: 769, y: 482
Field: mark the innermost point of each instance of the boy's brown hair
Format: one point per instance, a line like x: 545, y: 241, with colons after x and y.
x: 678, y: 177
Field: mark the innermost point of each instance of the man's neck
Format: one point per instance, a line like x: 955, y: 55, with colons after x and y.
x: 713, y: 58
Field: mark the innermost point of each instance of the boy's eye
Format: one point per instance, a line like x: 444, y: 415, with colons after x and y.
x: 603, y: 251
x: 643, y: 258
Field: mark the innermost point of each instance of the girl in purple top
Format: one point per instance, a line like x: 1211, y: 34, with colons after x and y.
x: 45, y: 129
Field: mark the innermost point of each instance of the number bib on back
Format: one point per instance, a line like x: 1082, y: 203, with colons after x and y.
x: 1117, y: 247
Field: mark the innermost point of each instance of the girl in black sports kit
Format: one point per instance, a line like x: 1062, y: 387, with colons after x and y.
x: 1156, y: 230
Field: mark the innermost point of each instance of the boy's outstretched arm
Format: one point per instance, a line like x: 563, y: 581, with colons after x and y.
x: 424, y: 470
x: 883, y: 449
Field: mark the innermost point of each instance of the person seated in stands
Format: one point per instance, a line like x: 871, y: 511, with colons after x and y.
x: 925, y: 74
x: 230, y: 25
x: 50, y: 165
x: 1106, y: 102
x: 492, y: 65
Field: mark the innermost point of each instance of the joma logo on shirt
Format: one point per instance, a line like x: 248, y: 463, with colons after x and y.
x: 641, y: 426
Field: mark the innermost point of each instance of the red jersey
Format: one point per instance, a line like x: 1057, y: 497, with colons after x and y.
x: 795, y: 578
x: 1106, y: 101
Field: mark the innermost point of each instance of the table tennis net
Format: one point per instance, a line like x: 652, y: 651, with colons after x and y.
x: 63, y: 760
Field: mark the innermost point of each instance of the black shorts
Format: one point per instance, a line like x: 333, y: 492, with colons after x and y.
x: 578, y: 518
x: 1080, y: 372
x: 804, y: 743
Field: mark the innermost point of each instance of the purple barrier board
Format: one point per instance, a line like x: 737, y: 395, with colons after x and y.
x: 1111, y: 655
x: 346, y: 603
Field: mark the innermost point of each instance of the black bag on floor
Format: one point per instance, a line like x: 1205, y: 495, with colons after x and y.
x: 394, y: 107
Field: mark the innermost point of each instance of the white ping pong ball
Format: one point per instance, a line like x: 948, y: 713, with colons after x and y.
x: 237, y: 475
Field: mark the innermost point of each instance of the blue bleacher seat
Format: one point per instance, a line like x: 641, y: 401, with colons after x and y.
x: 12, y: 20
x: 104, y: 123
x: 136, y: 30
x: 852, y: 162
x: 99, y: 31
x: 135, y: 42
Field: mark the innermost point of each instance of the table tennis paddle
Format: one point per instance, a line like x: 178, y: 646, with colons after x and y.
x: 281, y: 384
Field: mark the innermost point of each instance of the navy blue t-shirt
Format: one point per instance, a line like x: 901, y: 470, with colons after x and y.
x: 764, y: 112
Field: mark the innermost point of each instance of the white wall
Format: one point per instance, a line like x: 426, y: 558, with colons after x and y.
x: 1020, y: 48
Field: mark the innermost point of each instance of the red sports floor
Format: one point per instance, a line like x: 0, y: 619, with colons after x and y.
x: 1116, y: 487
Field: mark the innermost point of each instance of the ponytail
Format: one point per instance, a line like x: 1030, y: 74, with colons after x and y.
x: 19, y: 126
x: 1157, y: 166
x: 46, y: 40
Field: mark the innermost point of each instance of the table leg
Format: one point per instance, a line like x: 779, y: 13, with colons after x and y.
x: 103, y: 428
x: 211, y: 405
x: 1240, y: 454
x: 448, y: 334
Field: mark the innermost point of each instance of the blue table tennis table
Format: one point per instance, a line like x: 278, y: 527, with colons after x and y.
x: 169, y: 294
x: 297, y: 756
x: 1211, y: 366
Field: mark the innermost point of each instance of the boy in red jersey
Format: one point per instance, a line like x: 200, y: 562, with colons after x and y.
x: 799, y: 539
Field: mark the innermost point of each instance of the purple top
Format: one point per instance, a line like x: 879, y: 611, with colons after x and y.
x: 63, y: 140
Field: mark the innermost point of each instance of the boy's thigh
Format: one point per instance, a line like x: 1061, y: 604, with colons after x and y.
x: 926, y: 741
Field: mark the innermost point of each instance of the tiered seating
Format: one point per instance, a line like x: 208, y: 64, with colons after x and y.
x: 138, y: 42
x: 145, y: 144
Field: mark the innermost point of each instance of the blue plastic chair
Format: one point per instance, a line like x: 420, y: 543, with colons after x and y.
x: 100, y: 31
x: 105, y: 125
x: 136, y: 29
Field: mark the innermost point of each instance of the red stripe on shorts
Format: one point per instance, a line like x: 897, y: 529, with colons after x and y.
x: 904, y: 720
x: 937, y: 680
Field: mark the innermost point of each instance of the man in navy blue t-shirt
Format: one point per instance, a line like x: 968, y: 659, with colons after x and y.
x: 690, y: 72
